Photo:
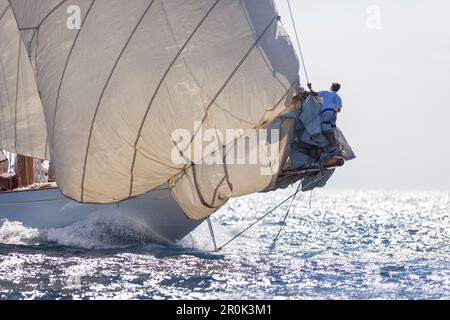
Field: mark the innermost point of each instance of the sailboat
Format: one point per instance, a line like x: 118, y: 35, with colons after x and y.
x: 98, y: 87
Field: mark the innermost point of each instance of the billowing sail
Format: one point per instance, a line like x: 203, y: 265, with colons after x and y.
x: 22, y: 124
x: 116, y: 87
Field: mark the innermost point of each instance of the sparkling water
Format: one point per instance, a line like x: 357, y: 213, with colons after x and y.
x: 347, y: 245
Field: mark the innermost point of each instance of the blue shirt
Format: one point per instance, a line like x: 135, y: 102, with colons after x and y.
x: 331, y: 100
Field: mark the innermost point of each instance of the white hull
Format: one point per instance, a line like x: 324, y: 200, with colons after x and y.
x: 155, y: 213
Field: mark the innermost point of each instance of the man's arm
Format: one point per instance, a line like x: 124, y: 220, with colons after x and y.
x: 339, y: 104
x: 312, y: 91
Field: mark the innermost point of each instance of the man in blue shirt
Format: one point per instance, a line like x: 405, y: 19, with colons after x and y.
x: 332, y: 105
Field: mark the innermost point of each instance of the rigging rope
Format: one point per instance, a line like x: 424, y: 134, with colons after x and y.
x: 285, y: 218
x: 211, y: 232
x: 293, y: 196
x: 298, y: 41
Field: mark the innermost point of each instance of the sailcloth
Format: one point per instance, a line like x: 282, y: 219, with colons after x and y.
x: 22, y: 124
x: 115, y: 89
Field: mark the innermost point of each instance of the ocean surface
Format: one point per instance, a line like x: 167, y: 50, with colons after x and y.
x: 339, y: 245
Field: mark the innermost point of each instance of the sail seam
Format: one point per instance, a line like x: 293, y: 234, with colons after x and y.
x: 236, y: 69
x: 36, y: 54
x: 51, y: 12
x: 181, y: 174
x: 285, y: 94
x: 37, y: 31
x: 103, y: 93
x: 36, y: 34
x: 216, y: 191
x: 8, y: 97
x: 225, y: 169
x: 4, y: 12
x: 64, y: 73
x: 17, y: 92
x: 192, y: 74
x: 263, y: 56
x: 28, y: 28
x: 46, y: 149
x: 199, y: 193
x: 158, y: 88
x: 44, y: 19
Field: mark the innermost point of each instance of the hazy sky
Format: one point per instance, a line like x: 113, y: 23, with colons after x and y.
x: 396, y: 85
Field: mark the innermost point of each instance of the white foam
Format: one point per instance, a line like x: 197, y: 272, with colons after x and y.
x: 101, y: 231
x: 15, y: 233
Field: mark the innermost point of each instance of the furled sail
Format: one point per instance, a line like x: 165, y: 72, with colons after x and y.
x: 22, y: 123
x: 115, y: 89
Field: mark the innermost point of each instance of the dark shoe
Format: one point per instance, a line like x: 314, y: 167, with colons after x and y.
x: 333, y: 162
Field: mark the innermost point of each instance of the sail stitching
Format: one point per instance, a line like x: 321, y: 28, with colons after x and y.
x: 199, y: 193
x: 180, y: 175
x: 17, y: 92
x: 188, y: 68
x: 223, y: 147
x: 45, y: 18
x: 226, y: 177
x: 83, y: 179
x: 28, y: 28
x: 8, y: 97
x: 4, y: 12
x: 228, y: 80
x: 46, y: 150
x: 216, y: 191
x: 17, y: 82
x: 225, y: 169
x: 36, y: 29
x: 158, y: 88
x: 64, y: 73
x: 263, y: 56
x: 36, y: 54
x: 285, y: 95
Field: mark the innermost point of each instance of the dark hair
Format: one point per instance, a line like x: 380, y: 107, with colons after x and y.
x: 335, y: 87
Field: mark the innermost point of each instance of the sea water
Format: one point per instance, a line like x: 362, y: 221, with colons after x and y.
x: 345, y: 245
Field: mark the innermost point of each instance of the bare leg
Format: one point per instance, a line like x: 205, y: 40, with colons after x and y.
x: 331, y: 138
x: 333, y: 158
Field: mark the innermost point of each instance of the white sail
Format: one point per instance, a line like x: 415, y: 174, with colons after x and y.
x: 115, y: 90
x: 22, y: 124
